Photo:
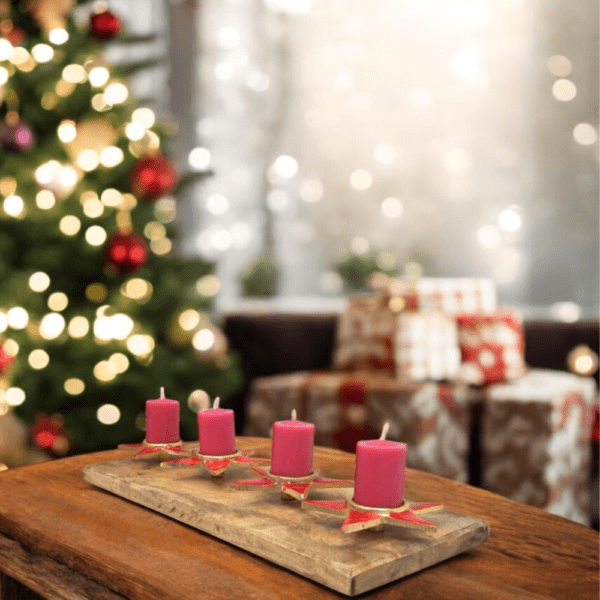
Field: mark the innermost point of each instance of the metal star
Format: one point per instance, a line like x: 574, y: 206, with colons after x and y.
x: 160, y: 451
x: 216, y: 465
x: 365, y: 517
x: 291, y: 487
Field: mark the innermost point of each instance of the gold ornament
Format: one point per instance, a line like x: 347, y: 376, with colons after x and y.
x: 92, y: 134
x: 50, y: 14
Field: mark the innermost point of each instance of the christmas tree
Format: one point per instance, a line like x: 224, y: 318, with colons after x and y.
x: 96, y: 311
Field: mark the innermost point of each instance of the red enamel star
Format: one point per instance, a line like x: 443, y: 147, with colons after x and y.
x: 291, y: 487
x: 216, y: 465
x: 160, y: 451
x: 364, y: 517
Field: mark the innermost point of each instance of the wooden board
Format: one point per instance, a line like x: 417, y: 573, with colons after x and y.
x: 306, y: 542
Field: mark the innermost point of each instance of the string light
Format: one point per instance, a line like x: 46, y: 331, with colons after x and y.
x: 6, y: 49
x: 67, y: 131
x: 111, y: 156
x: 88, y: 160
x: 189, y: 319
x: 161, y: 247
x: 198, y: 400
x: 510, y: 219
x: 104, y: 371
x: 42, y: 53
x: 19, y: 56
x: 11, y: 347
x: 3, y: 322
x: 58, y: 301
x: 98, y: 76
x: 284, y: 167
x: 559, y: 65
x: 58, y: 36
x: 8, y: 186
x: 165, y: 210
x: 92, y: 207
x: 155, y: 230
x: 17, y: 317
x: 45, y: 199
x: 3, y: 75
x: 78, y: 327
x: 137, y: 289
x: 217, y: 204
x: 99, y: 103
x: 38, y: 359
x: 119, y: 362
x: 111, y: 197
x: 135, y: 131
x: 108, y: 414
x: 14, y: 206
x: 115, y: 93
x: 203, y: 340
x: 144, y: 116
x: 14, y: 396
x: 52, y: 325
x: 74, y: 386
x: 69, y: 225
x: 140, y: 345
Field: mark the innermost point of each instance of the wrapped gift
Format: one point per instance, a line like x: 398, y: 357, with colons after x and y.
x: 449, y: 295
x: 431, y: 418
x: 492, y: 346
x: 426, y: 347
x: 365, y: 333
x: 536, y: 441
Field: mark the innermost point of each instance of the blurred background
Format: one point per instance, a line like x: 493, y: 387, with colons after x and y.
x: 317, y: 143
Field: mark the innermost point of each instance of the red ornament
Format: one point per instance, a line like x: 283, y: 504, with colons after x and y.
x: 49, y: 434
x: 5, y: 360
x: 17, y: 138
x: 105, y: 25
x: 16, y: 36
x: 124, y: 252
x: 152, y: 177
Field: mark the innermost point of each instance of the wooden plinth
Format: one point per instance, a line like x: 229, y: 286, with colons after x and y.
x: 307, y: 543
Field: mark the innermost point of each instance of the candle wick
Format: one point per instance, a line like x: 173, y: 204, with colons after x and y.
x: 216, y: 402
x: 294, y: 414
x: 384, y: 431
x: 162, y: 393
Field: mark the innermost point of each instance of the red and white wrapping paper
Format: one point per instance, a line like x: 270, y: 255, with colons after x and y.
x: 449, y: 295
x: 432, y: 419
x: 426, y: 347
x: 536, y: 441
x: 365, y: 333
x: 492, y: 346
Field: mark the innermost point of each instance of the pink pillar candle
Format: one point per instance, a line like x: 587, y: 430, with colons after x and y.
x: 292, y: 448
x: 162, y: 420
x: 216, y: 430
x: 379, y: 474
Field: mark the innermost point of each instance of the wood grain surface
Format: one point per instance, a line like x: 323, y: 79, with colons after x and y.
x: 308, y: 543
x: 129, y: 551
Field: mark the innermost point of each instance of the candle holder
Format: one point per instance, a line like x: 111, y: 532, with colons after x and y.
x: 292, y: 488
x: 358, y: 517
x: 216, y: 465
x: 159, y: 451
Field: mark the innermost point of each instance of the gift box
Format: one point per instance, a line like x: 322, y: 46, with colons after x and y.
x: 492, y: 346
x: 426, y: 347
x: 449, y: 295
x: 433, y: 419
x: 365, y: 333
x: 536, y: 441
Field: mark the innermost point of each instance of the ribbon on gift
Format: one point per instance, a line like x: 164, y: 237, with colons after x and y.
x: 587, y: 413
x: 353, y: 424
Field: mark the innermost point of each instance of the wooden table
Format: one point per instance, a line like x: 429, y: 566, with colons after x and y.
x: 65, y: 539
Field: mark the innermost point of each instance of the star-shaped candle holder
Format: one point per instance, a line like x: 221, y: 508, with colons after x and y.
x: 359, y: 517
x: 156, y: 451
x: 216, y: 465
x: 292, y: 488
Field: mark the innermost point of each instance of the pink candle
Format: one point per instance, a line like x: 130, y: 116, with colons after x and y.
x: 379, y: 474
x: 292, y: 448
x: 162, y: 420
x: 216, y: 431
